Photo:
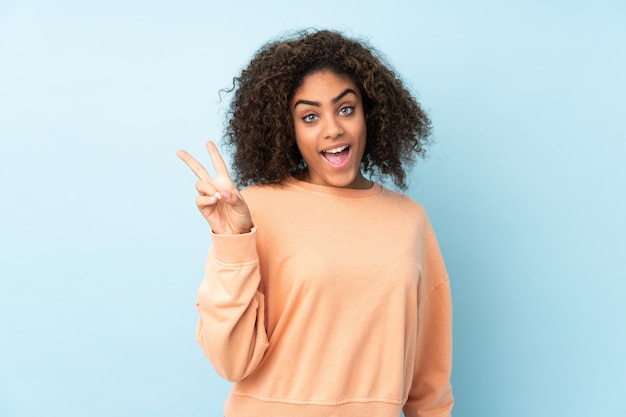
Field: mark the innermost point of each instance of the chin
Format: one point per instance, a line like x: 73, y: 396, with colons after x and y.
x: 349, y: 182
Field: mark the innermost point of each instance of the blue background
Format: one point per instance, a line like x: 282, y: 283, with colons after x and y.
x: 102, y: 250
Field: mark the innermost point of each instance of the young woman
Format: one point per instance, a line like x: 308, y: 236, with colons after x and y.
x: 325, y: 293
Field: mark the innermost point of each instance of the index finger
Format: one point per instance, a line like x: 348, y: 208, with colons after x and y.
x: 195, y: 166
x: 218, y: 162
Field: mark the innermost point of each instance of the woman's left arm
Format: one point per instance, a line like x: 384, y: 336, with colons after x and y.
x: 431, y: 391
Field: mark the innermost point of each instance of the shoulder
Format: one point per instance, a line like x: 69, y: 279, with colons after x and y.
x: 265, y: 196
x: 404, y: 203
x: 261, y: 191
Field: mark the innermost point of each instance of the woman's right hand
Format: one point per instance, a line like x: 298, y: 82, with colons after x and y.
x: 219, y: 200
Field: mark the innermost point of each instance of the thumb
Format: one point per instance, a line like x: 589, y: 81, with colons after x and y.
x: 240, y: 220
x: 232, y: 199
x: 227, y: 197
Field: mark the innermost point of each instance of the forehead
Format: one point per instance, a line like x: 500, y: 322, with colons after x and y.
x: 325, y: 82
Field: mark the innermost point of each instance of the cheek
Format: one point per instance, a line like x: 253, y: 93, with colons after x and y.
x: 304, y: 140
x: 361, y: 129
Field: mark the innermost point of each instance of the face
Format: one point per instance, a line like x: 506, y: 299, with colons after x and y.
x: 330, y: 129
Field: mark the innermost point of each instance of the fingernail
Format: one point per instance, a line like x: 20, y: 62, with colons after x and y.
x: 226, y: 195
x: 217, y: 195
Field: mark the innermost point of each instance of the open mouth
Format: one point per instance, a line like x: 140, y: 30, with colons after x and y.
x: 337, y: 156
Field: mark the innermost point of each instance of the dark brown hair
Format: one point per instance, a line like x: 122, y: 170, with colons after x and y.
x: 260, y: 127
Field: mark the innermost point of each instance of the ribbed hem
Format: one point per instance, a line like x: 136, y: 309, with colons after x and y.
x: 246, y: 406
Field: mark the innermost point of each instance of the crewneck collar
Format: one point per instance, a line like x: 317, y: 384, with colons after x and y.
x: 374, y: 190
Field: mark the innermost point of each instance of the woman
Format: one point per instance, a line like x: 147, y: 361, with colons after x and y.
x: 325, y: 293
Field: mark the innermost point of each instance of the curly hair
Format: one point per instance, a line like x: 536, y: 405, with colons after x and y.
x: 260, y: 126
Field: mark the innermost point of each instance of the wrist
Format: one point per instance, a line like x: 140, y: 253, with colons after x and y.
x: 232, y: 230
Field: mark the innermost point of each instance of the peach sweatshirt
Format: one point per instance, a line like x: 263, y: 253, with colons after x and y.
x: 336, y: 304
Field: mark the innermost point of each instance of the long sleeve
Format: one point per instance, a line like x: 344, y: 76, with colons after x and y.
x: 231, y: 329
x: 431, y: 393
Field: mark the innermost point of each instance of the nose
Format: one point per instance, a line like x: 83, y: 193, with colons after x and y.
x: 332, y: 128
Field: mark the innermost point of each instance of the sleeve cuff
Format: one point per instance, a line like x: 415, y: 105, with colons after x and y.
x: 235, y: 249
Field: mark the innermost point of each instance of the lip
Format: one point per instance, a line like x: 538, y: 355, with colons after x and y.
x: 344, y: 163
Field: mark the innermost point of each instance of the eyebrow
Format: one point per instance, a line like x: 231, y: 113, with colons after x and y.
x: 317, y: 103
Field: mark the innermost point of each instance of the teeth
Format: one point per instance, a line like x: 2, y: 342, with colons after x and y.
x: 337, y: 150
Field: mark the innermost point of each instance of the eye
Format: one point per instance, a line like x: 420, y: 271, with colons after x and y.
x: 309, y: 118
x: 346, y: 110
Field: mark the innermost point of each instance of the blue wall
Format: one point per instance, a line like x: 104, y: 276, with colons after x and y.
x: 102, y: 249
